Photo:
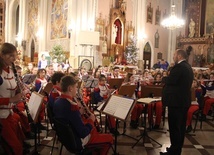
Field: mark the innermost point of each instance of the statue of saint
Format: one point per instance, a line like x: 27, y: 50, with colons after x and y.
x: 191, y: 28
x: 114, y: 33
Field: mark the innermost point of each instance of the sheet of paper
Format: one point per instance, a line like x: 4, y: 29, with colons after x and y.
x: 118, y: 106
x: 148, y: 100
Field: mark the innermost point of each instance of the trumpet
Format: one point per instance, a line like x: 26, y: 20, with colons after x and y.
x: 21, y: 88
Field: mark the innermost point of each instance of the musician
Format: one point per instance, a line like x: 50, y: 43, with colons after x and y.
x: 116, y: 73
x: 138, y: 108
x: 11, y: 130
x: 66, y: 110
x: 194, y: 104
x: 101, y: 93
x: 209, y: 96
x: 40, y: 83
x: 56, y: 91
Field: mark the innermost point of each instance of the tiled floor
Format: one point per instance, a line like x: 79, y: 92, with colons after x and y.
x: 202, y: 143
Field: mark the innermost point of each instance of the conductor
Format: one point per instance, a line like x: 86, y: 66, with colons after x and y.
x: 177, y: 96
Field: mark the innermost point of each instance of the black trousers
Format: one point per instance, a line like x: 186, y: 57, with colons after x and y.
x: 177, y: 117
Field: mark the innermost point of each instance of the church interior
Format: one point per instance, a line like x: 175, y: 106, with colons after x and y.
x: 137, y: 36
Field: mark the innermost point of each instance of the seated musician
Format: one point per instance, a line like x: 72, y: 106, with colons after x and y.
x: 209, y: 96
x: 66, y: 110
x: 101, y: 93
x: 40, y: 83
x: 115, y: 73
x: 138, y: 108
x: 56, y: 91
x: 195, y: 104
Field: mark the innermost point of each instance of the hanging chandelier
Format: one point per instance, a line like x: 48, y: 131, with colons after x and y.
x: 172, y: 22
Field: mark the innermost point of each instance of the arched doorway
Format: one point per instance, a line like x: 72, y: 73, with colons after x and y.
x: 32, y: 50
x: 147, y: 56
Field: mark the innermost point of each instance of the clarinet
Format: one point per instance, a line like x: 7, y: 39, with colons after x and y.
x: 88, y: 113
x: 21, y: 88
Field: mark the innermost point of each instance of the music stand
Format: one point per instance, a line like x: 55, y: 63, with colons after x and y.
x: 148, y: 92
x: 115, y: 83
x: 118, y: 107
x: 91, y: 82
x: 152, y: 91
x: 34, y: 105
x: 127, y: 90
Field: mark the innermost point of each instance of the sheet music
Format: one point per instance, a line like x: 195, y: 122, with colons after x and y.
x: 118, y: 106
x: 34, y: 104
x: 148, y: 100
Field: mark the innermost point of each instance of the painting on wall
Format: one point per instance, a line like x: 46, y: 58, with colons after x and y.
x: 59, y: 11
x: 33, y: 16
x: 157, y: 16
x: 149, y: 13
x: 209, y: 17
x: 86, y: 62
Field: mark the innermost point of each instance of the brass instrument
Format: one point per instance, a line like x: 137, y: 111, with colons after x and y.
x: 21, y: 88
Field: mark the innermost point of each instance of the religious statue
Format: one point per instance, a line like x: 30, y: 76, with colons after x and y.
x: 191, y: 28
x: 114, y: 33
x: 156, y: 39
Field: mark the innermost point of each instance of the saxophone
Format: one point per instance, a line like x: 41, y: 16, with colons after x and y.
x: 21, y: 88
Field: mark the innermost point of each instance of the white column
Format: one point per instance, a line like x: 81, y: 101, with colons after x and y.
x: 42, y: 25
x: 139, y: 24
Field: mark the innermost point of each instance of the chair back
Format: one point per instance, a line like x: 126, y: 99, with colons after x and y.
x: 67, y: 136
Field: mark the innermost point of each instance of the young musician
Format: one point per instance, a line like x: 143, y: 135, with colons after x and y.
x: 194, y: 105
x: 209, y: 96
x: 11, y: 130
x: 66, y: 110
x: 56, y: 91
x: 101, y: 93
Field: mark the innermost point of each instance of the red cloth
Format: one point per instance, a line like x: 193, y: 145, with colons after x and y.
x: 136, y: 112
x: 12, y: 133
x: 157, y: 108
x: 207, y: 105
x: 97, y: 138
x: 190, y: 112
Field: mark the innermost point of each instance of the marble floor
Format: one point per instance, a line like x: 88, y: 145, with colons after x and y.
x: 199, y: 143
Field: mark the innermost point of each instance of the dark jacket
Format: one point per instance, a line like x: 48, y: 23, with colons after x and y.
x: 177, y: 88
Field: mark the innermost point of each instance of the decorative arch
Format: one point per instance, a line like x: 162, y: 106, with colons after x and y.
x: 147, y: 55
x: 118, y: 37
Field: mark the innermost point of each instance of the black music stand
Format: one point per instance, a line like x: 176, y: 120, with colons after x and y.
x: 151, y: 91
x: 146, y: 101
x: 91, y: 82
x: 115, y: 83
x: 127, y: 91
x: 34, y: 108
x: 115, y: 108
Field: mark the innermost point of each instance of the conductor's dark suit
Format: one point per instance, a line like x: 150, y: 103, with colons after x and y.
x: 177, y: 96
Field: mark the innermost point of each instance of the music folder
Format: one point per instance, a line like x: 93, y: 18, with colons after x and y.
x: 118, y: 106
